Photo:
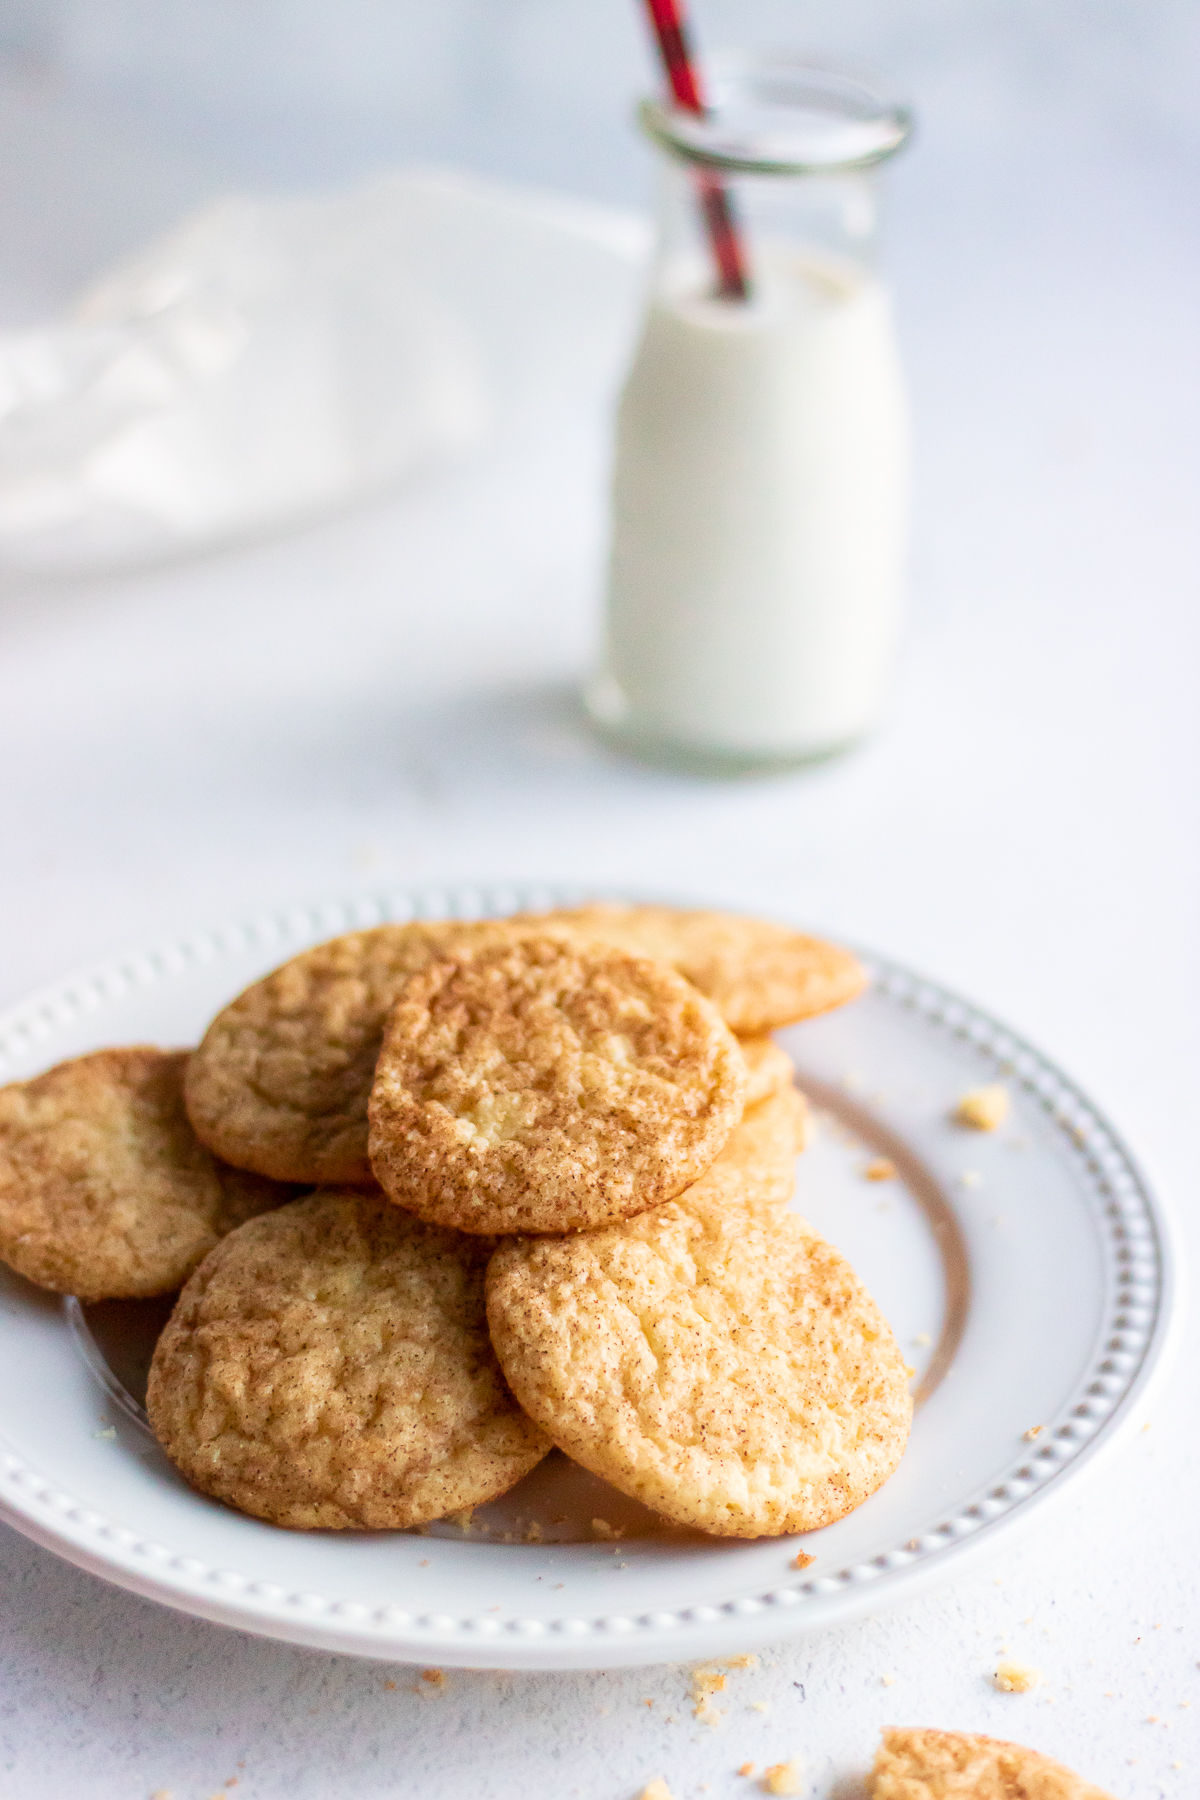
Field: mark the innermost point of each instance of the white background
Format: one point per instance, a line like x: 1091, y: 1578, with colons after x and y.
x: 390, y: 697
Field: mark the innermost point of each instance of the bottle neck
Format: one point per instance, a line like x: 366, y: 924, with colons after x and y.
x: 828, y: 221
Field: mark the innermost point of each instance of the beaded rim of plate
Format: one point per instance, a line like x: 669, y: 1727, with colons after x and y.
x: 1131, y: 1341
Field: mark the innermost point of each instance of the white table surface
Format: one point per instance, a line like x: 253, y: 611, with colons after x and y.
x: 390, y: 698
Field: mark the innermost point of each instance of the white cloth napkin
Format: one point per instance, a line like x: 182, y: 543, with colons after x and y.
x: 275, y: 358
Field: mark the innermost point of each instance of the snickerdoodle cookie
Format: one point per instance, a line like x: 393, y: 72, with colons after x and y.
x: 549, y: 1084
x: 329, y: 1366
x: 768, y: 1068
x: 949, y: 1765
x: 281, y: 1078
x: 105, y: 1190
x: 724, y: 1367
x: 759, y: 975
x: 757, y: 1167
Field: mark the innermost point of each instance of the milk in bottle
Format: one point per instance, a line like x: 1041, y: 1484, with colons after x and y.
x: 760, y: 481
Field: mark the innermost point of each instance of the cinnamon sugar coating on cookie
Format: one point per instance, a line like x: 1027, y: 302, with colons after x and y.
x: 724, y: 1367
x: 759, y: 975
x: 950, y: 1765
x: 105, y: 1190
x: 329, y: 1367
x: 280, y: 1081
x: 549, y: 1084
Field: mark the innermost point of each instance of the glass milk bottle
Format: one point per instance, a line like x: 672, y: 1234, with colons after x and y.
x: 760, y: 483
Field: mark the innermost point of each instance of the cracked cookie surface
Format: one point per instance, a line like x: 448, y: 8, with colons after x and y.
x: 952, y: 1765
x: 105, y: 1190
x: 280, y: 1081
x: 759, y: 975
x: 329, y: 1367
x: 726, y: 1369
x: 549, y: 1084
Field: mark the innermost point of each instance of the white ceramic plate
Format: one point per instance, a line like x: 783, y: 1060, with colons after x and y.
x: 1026, y: 1273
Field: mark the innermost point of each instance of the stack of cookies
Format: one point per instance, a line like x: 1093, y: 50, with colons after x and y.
x: 551, y: 1158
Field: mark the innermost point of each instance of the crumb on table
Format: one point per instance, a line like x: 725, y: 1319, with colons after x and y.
x: 783, y: 1778
x: 705, y: 1683
x: 656, y: 1790
x: 881, y: 1169
x: 1015, y: 1677
x: 984, y: 1108
x: 802, y: 1560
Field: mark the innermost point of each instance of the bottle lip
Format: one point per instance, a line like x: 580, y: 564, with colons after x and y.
x: 775, y: 113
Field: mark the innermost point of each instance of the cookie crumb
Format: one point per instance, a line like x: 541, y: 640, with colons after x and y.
x: 705, y: 1683
x: 888, y: 1680
x: 463, y: 1518
x: 603, y: 1529
x: 971, y: 1178
x: 802, y: 1560
x: 435, y: 1677
x: 748, y: 1661
x: 760, y: 1706
x: 984, y: 1108
x: 747, y: 1769
x: 783, y: 1778
x: 1015, y: 1677
x: 656, y: 1790
x: 882, y: 1169
x: 389, y: 1687
x: 1034, y: 1431
x: 922, y: 1340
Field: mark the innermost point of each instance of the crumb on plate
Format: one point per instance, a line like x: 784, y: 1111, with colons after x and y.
x: 984, y: 1108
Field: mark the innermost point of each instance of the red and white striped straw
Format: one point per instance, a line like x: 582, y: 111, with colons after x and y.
x: 670, y: 28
